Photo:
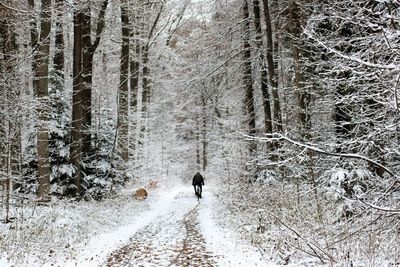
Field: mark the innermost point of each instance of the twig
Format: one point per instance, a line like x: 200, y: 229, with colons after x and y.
x: 352, y: 58
x: 313, y: 247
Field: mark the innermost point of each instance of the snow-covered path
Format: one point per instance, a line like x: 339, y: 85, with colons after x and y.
x: 176, y: 230
x: 172, y: 239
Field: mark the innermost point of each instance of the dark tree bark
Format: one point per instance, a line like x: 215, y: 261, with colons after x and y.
x: 77, y: 112
x: 145, y: 80
x: 146, y: 76
x: 89, y: 48
x: 87, y: 74
x: 247, y: 78
x: 303, y: 97
x: 145, y: 61
x: 123, y: 123
x: 204, y: 133
x: 41, y: 70
x: 263, y: 69
x: 134, y: 84
x: 197, y: 133
x: 58, y: 59
x: 10, y: 133
x: 272, y: 74
x: 4, y: 37
x: 134, y: 73
x: 84, y: 51
x: 34, y: 43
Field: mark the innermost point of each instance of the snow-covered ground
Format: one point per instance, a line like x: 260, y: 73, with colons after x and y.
x: 170, y: 228
x: 231, y: 251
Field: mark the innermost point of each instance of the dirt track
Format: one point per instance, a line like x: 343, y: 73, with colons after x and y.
x: 171, y: 240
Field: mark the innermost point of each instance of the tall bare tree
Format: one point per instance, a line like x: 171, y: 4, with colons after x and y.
x: 5, y: 52
x: 247, y: 76
x: 197, y: 135
x: 123, y: 93
x: 204, y: 132
x: 263, y: 68
x: 58, y: 58
x: 146, y: 87
x: 145, y: 60
x: 134, y: 69
x: 77, y: 112
x: 303, y: 97
x: 90, y: 45
x: 10, y: 133
x: 41, y: 45
x: 272, y: 73
x: 84, y: 49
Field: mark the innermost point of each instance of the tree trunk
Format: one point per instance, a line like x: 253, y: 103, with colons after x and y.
x: 90, y: 47
x: 8, y: 184
x: 197, y: 133
x: 263, y: 70
x: 272, y: 73
x: 3, y: 101
x: 87, y: 74
x: 134, y: 87
x: 4, y: 91
x: 41, y: 85
x: 76, y: 146
x: 247, y: 78
x: 146, y: 48
x: 10, y: 133
x: 303, y: 98
x: 145, y: 97
x: 146, y: 72
x: 204, y: 133
x: 123, y: 86
x: 84, y: 51
x: 58, y: 59
x: 145, y: 79
x: 16, y: 150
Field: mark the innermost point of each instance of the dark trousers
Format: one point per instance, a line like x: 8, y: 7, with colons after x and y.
x: 200, y: 190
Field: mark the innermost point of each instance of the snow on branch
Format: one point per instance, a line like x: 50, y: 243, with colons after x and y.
x: 394, y: 67
x: 280, y: 137
x: 13, y: 8
x: 376, y: 207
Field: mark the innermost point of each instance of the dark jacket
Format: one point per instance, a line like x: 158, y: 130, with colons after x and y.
x: 198, y: 180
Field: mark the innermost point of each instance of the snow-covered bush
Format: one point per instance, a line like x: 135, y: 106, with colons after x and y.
x: 349, y: 183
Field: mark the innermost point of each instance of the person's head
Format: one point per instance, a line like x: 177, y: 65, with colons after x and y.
x: 198, y: 173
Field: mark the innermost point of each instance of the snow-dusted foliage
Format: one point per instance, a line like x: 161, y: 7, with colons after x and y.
x: 342, y: 173
x: 100, y: 169
x: 158, y: 90
x: 59, y: 138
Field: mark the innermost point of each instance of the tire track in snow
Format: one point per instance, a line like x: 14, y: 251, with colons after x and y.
x: 172, y: 240
x: 193, y: 251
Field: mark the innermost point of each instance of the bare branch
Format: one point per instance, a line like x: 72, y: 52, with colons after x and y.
x: 279, y: 137
x: 13, y: 9
x: 352, y: 58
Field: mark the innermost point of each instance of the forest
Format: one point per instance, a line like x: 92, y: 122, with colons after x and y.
x: 289, y: 109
